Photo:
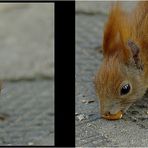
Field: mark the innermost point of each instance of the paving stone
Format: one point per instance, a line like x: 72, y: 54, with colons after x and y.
x: 26, y: 40
x: 28, y: 108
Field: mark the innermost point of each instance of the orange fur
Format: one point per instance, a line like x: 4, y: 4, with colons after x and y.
x: 122, y: 61
x: 113, y: 41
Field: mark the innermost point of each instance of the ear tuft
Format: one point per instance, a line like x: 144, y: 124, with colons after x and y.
x: 113, y: 39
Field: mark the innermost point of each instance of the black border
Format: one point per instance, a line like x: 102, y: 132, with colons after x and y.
x: 65, y: 73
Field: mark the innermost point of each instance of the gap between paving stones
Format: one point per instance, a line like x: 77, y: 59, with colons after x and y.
x: 28, y: 79
x: 90, y: 13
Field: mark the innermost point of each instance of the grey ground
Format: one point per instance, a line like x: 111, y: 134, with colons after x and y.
x: 91, y: 130
x: 26, y: 69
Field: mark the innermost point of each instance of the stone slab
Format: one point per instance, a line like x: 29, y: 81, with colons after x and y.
x: 26, y: 40
x: 28, y: 111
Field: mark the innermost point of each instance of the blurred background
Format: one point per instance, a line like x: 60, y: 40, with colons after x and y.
x: 26, y: 71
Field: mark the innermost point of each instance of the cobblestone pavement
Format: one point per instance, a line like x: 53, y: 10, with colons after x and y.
x: 26, y: 68
x: 91, y: 130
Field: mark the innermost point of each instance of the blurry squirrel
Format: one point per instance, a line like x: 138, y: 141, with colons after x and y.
x: 123, y: 76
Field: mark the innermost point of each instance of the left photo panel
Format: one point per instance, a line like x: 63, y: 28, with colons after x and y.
x: 27, y: 74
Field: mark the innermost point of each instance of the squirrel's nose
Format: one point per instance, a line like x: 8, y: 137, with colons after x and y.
x: 109, y: 116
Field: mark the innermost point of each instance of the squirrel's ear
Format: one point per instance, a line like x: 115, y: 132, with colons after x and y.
x: 135, y: 50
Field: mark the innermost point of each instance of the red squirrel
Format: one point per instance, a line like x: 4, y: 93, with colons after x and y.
x: 123, y: 75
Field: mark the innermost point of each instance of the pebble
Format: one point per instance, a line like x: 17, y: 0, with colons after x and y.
x: 81, y: 117
x: 76, y: 114
x: 30, y: 143
x: 88, y: 101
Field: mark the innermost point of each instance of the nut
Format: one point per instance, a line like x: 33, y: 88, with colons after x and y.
x: 113, y: 116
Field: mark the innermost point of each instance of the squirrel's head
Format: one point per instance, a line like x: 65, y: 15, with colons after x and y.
x: 118, y: 85
x: 119, y: 81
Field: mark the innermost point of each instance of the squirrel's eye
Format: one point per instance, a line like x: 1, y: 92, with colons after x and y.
x: 125, y: 89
